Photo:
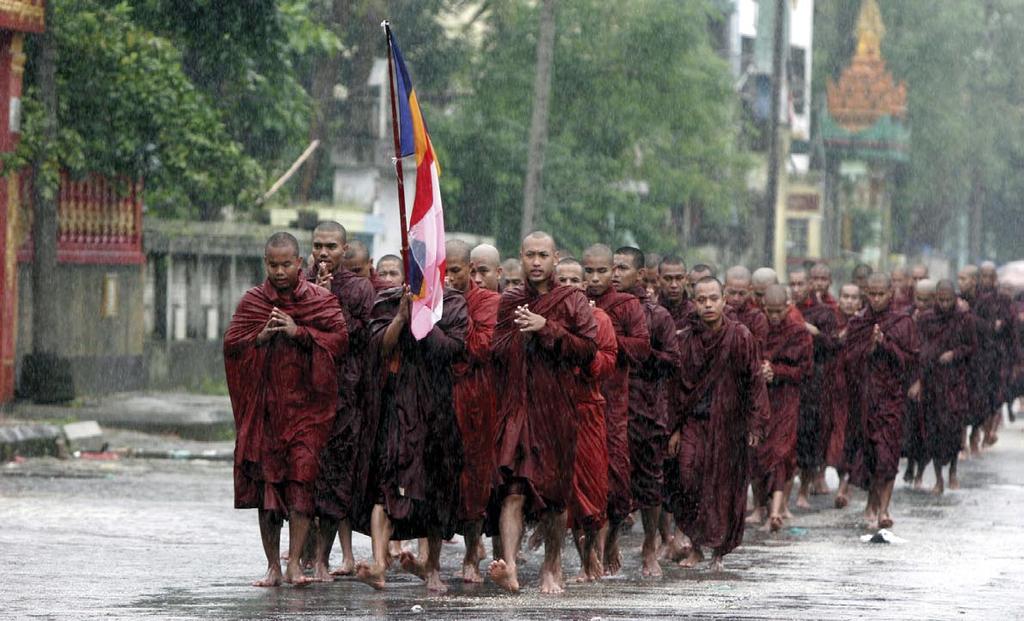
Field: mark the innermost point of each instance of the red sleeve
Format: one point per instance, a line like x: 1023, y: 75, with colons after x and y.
x: 664, y: 344
x: 575, y: 343
x: 758, y: 407
x: 798, y: 362
x: 603, y: 364
x: 635, y: 342
x: 902, y: 343
x: 483, y: 316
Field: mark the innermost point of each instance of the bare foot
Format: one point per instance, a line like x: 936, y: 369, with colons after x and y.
x: 820, y: 487
x: 504, y: 576
x: 371, y: 575
x: 613, y: 561
x: 841, y: 501
x: 954, y: 482
x: 938, y: 490
x: 296, y: 578
x: 481, y: 552
x: 802, y: 502
x: 272, y: 579
x: 918, y: 483
x: 885, y: 521
x: 595, y: 569
x: 536, y: 539
x: 786, y: 515
x: 673, y: 550
x: 550, y: 582
x: 692, y: 559
x: 471, y: 573
x: 347, y: 568
x: 413, y: 565
x: 756, y: 516
x: 582, y: 577
x: 775, y: 523
x: 717, y: 565
x: 650, y: 568
x: 321, y: 573
x: 434, y: 582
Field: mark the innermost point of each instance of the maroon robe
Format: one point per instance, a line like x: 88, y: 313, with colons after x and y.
x: 536, y: 437
x: 992, y: 306
x: 411, y: 457
x: 914, y: 433
x: 721, y: 399
x: 337, y: 460
x: 790, y: 351
x: 878, y: 381
x: 589, y: 506
x: 648, y: 404
x: 944, y: 393
x: 754, y: 319
x: 682, y: 315
x: 839, y: 407
x: 634, y: 342
x: 475, y: 403
x: 817, y: 392
x: 283, y: 395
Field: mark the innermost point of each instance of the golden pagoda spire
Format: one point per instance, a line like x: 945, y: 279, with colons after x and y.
x: 870, y: 30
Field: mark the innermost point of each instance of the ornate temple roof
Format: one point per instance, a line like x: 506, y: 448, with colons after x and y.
x: 867, y: 106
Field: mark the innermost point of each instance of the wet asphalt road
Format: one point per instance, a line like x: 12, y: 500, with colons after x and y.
x: 159, y: 539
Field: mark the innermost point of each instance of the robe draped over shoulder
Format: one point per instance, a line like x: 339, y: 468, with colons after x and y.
x: 945, y: 399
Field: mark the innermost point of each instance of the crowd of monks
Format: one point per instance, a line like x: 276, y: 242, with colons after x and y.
x: 575, y: 395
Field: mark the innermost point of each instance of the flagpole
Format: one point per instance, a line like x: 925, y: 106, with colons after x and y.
x: 398, y: 155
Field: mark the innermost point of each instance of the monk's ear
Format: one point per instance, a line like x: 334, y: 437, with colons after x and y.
x: 642, y: 273
x: 558, y: 256
x: 344, y: 248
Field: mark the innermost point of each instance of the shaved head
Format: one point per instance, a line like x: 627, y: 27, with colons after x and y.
x: 635, y: 256
x: 880, y: 279
x: 539, y: 236
x: 599, y: 252
x: 737, y: 274
x: 457, y: 250
x: 485, y: 253
x: 486, y: 268
x: 281, y: 240
x: 926, y: 286
x: 945, y: 285
x: 821, y: 269
x: 775, y: 294
x: 764, y: 276
x: 330, y: 226
x: 357, y: 251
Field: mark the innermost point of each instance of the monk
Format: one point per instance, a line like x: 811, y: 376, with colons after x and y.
x: 648, y: 404
x: 882, y: 348
x: 545, y: 331
x: 718, y: 414
x: 652, y: 260
x: 902, y: 289
x: 809, y: 292
x: 787, y: 362
x: 588, y: 510
x: 389, y: 272
x: 914, y: 448
x: 673, y: 289
x: 859, y: 276
x: 280, y: 358
x: 948, y: 340
x: 740, y: 300
x: 844, y: 442
x: 335, y: 483
x: 760, y: 280
x: 918, y: 273
x: 996, y: 308
x: 474, y: 402
x: 634, y: 343
x: 486, y: 262
x: 673, y: 295
x: 412, y: 456
x: 701, y: 270
x: 983, y: 365
x: 512, y: 273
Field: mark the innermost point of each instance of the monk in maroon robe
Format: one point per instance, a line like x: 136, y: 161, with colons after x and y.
x: 648, y: 404
x: 787, y: 363
x: 903, y: 292
x: 984, y: 363
x: 844, y: 441
x: 882, y: 348
x: 634, y: 341
x: 412, y: 454
x: 474, y: 403
x: 821, y: 321
x: 486, y: 267
x: 948, y: 341
x: 545, y: 332
x: 335, y: 483
x: 280, y: 358
x: 821, y: 285
x: 389, y: 273
x: 673, y: 295
x: 996, y: 308
x: 741, y: 305
x: 915, y: 448
x: 719, y: 413
x: 588, y: 511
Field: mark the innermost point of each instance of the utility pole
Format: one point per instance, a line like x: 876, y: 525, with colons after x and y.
x: 774, y: 150
x: 45, y: 333
x: 539, y: 118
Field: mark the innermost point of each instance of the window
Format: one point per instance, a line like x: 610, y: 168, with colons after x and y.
x: 796, y: 237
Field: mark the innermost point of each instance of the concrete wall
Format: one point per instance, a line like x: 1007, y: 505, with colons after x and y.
x: 101, y: 324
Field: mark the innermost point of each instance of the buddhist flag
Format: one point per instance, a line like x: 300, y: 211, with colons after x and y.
x: 426, y: 225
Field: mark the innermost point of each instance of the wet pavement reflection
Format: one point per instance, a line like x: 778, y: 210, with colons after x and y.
x: 159, y: 539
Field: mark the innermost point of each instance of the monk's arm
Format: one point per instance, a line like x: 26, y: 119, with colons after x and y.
x: 758, y: 407
x: 664, y: 348
x: 902, y: 345
x: 635, y: 344
x: 798, y: 366
x: 577, y: 349
x: 480, y: 333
